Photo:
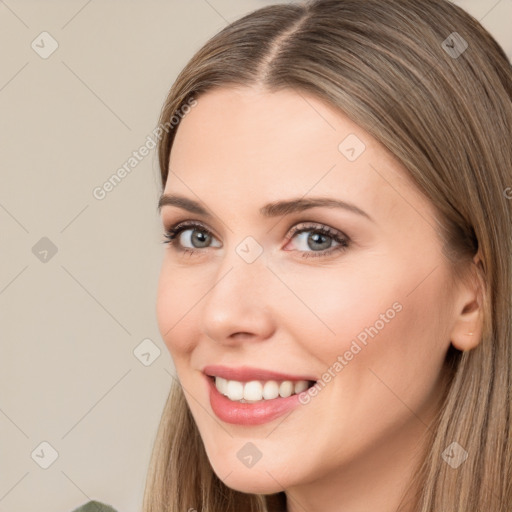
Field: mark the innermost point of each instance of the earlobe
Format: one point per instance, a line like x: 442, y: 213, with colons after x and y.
x: 467, y: 330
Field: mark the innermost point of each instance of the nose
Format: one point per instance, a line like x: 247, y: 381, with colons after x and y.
x: 238, y: 304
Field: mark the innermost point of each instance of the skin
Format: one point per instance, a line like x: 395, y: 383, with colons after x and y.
x: 354, y: 446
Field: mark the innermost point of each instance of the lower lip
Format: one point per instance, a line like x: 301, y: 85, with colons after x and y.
x: 249, y: 414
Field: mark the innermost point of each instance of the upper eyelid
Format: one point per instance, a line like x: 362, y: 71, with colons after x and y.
x: 189, y: 224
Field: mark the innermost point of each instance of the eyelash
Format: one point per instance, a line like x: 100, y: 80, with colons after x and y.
x: 172, y: 233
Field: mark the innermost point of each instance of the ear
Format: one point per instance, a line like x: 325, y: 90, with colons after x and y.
x: 466, y: 332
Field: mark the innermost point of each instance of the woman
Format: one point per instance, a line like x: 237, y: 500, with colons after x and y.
x: 371, y: 371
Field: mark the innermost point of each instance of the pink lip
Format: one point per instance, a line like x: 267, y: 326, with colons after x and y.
x: 249, y: 414
x: 247, y: 373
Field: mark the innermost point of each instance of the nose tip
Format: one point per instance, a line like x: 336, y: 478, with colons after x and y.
x: 236, y: 307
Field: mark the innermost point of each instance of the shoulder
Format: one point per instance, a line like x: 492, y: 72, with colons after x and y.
x: 94, y: 506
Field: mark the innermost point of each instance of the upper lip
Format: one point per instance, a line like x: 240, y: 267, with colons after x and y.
x: 248, y: 373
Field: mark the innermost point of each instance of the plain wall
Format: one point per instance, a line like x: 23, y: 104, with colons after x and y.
x: 78, y: 274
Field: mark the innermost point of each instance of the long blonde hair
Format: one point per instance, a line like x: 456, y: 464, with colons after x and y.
x: 445, y: 111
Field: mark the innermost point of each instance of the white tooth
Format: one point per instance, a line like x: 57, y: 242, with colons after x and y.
x: 221, y: 385
x: 253, y: 390
x: 286, y: 388
x: 300, y: 385
x: 234, y: 390
x: 270, y: 390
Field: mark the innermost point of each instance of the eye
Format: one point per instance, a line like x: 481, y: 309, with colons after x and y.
x: 198, y: 237
x: 319, y: 239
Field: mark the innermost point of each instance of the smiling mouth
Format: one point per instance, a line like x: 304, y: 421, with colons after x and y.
x: 259, y: 390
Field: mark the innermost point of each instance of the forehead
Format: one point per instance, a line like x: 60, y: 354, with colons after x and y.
x: 247, y: 145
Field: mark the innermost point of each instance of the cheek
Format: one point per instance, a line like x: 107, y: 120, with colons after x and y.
x: 386, y: 352
x: 345, y: 304
x: 401, y: 330
x: 174, y: 309
x: 375, y: 316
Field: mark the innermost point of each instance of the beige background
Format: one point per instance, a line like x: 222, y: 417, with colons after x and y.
x: 70, y: 321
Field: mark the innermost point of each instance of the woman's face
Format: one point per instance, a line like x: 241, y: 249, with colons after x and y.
x: 364, y: 308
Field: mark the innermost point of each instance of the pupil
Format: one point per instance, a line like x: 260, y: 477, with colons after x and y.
x: 199, y: 235
x: 316, y: 236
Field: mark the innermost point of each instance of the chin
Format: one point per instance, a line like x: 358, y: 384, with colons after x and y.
x: 260, y: 478
x: 252, y: 483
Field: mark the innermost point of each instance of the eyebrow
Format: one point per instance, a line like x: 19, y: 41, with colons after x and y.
x: 274, y: 209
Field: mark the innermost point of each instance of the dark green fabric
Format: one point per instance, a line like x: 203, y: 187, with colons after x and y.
x: 94, y: 506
